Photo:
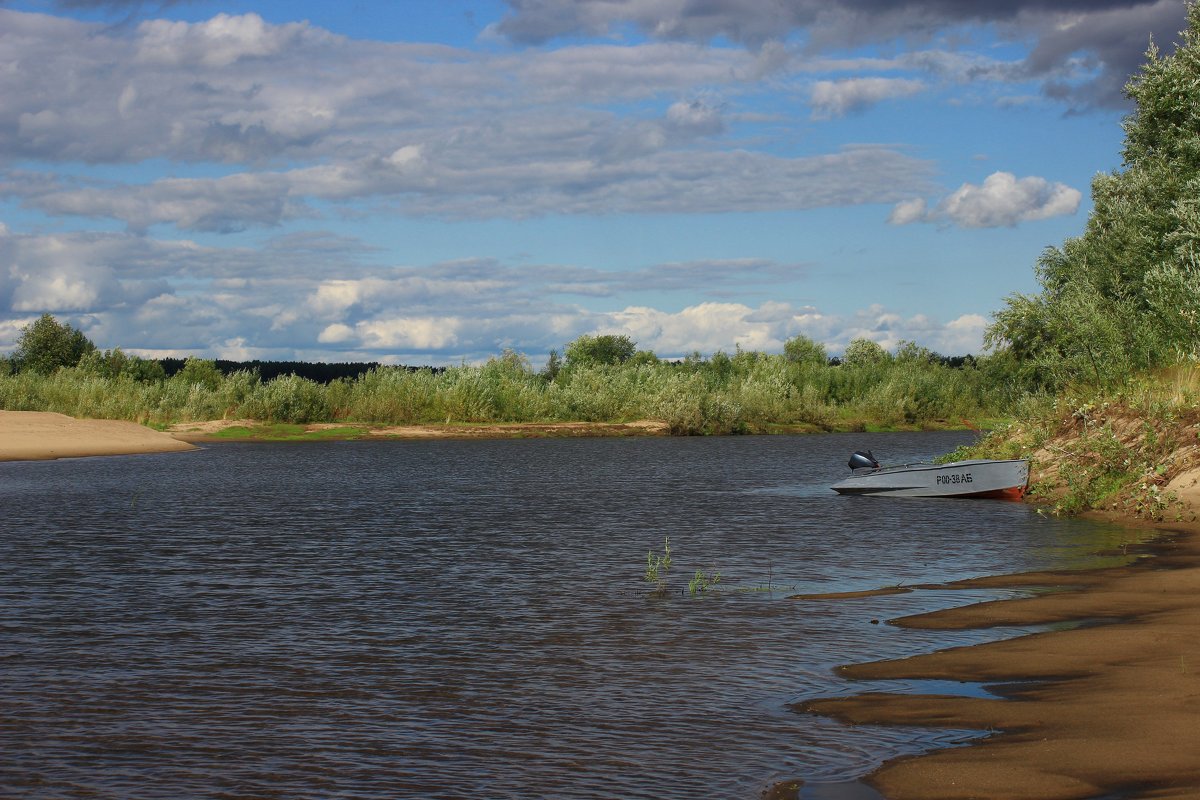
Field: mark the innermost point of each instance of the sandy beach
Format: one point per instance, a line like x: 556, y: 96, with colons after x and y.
x: 1109, y: 706
x: 36, y: 436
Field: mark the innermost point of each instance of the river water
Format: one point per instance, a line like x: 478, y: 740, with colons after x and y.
x: 470, y: 619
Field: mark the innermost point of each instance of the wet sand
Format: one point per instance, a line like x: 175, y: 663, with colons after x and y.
x: 1109, y: 706
x: 35, y: 436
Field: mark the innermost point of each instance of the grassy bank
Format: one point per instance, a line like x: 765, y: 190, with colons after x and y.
x: 1126, y: 449
x: 744, y: 393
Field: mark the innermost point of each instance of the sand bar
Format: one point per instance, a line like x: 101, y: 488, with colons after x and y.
x: 1108, y: 708
x: 36, y: 435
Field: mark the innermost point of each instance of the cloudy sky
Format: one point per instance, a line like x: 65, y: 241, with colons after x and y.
x: 430, y: 181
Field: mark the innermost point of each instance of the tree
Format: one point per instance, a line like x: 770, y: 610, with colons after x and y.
x: 862, y: 352
x: 913, y: 353
x: 1122, y: 297
x: 553, y: 365
x: 47, y: 344
x: 604, y: 349
x: 802, y: 350
x: 115, y: 363
x: 200, y: 371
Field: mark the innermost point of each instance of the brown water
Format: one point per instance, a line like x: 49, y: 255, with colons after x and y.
x: 469, y: 619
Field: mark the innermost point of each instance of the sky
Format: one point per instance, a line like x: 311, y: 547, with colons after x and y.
x: 436, y: 181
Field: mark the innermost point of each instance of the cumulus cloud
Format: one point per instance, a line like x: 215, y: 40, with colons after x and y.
x: 1005, y: 200
x: 908, y: 211
x: 313, y: 298
x: 837, y: 98
x: 1002, y: 200
x: 218, y: 42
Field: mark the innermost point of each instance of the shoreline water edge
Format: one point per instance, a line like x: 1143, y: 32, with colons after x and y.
x: 1103, y: 703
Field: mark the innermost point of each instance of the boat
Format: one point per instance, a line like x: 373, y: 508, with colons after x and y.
x: 1000, y: 479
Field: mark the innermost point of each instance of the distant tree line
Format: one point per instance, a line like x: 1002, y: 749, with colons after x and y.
x: 267, y: 370
x: 603, y: 378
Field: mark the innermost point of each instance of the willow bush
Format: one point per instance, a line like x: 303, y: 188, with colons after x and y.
x: 721, y: 394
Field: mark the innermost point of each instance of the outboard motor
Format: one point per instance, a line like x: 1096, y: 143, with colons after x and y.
x: 861, y: 460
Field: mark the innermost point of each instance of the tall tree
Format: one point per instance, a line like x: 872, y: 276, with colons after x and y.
x: 603, y: 349
x: 47, y: 344
x: 1125, y: 295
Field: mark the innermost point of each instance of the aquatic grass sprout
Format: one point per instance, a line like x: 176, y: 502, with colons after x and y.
x: 657, y: 565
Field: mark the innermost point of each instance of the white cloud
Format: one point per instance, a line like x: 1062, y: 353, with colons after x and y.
x: 963, y: 334
x: 1005, y: 200
x: 706, y: 327
x: 218, y: 42
x: 309, y: 299
x: 695, y: 117
x: 429, y: 130
x: 907, y: 211
x: 335, y: 334
x: 832, y: 99
x: 410, y: 333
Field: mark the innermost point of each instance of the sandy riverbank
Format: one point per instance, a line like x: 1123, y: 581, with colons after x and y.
x: 1108, y: 708
x: 252, y: 430
x: 35, y: 435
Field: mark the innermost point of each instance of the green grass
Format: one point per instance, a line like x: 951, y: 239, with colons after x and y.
x: 289, y: 432
x: 746, y: 393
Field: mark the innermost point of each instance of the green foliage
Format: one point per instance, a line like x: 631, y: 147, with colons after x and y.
x: 803, y: 350
x: 46, y: 345
x: 864, y: 352
x: 604, y: 349
x: 704, y: 581
x: 658, y: 565
x: 553, y: 365
x: 199, y: 372
x: 1123, y: 297
x: 723, y: 394
x: 114, y: 363
x: 286, y: 398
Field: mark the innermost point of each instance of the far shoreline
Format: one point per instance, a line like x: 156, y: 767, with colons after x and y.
x: 44, y: 435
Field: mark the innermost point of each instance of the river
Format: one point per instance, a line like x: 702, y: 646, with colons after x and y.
x: 470, y: 619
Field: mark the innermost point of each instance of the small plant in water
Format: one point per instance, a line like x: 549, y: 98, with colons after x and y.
x: 656, y: 565
x: 704, y: 581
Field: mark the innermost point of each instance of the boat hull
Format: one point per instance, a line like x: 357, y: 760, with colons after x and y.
x: 995, y: 479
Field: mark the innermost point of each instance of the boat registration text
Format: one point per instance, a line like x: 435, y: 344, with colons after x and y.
x: 955, y: 477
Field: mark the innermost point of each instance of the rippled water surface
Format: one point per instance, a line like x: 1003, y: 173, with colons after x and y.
x: 469, y: 619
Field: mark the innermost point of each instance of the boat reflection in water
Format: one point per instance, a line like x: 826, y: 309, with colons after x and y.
x: 1001, y: 479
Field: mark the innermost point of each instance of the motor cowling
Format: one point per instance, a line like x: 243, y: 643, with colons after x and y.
x: 861, y: 460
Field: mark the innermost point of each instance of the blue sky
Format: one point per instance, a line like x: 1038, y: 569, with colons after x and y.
x: 432, y: 182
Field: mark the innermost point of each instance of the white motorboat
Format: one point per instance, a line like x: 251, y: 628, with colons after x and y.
x: 1005, y: 479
